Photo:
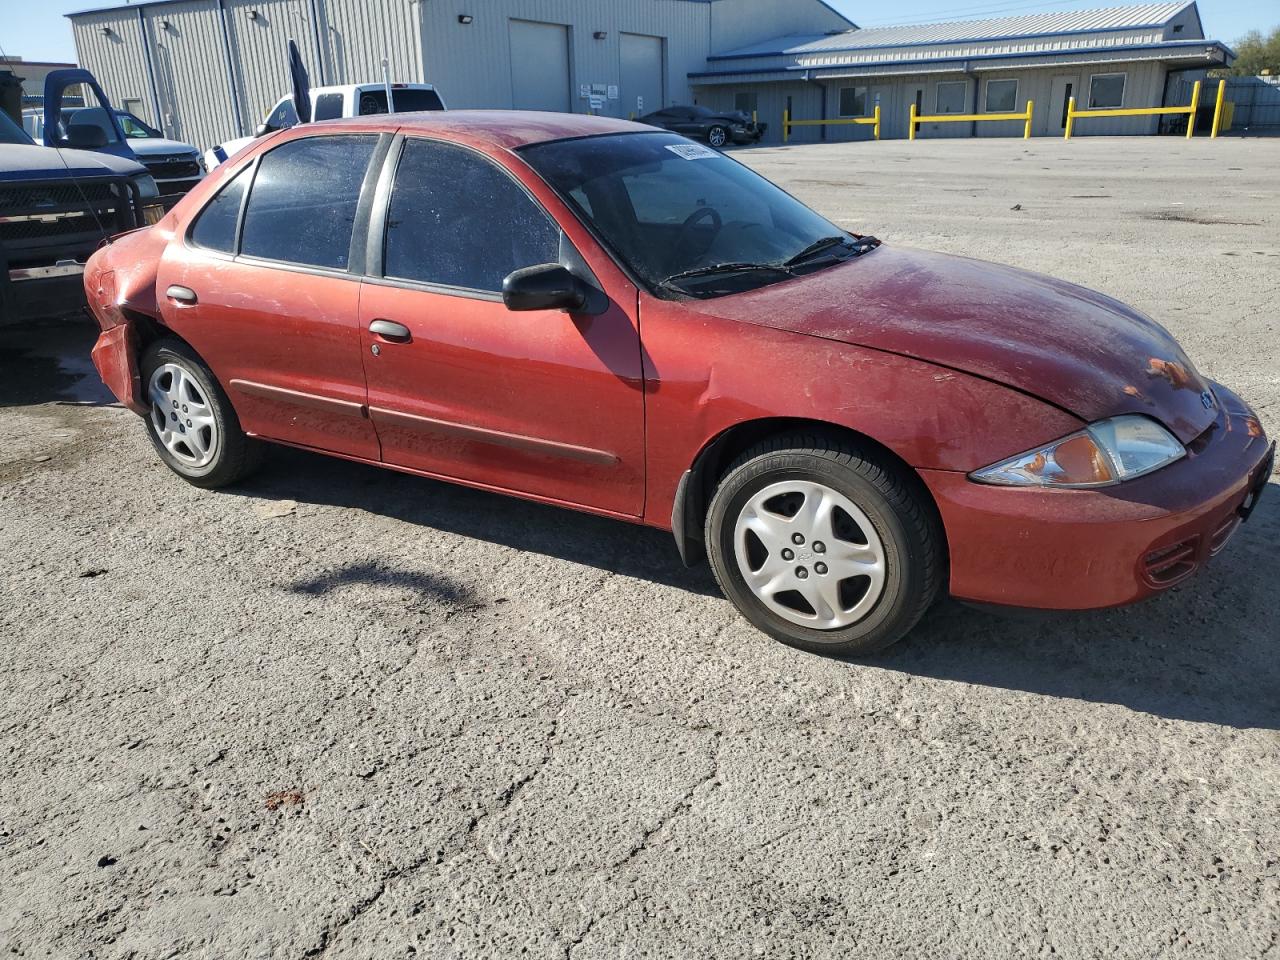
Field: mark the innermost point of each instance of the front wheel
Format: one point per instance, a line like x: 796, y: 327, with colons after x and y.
x: 717, y: 136
x: 825, y: 546
x: 190, y: 421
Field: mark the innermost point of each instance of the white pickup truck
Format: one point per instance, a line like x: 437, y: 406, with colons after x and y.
x: 331, y: 103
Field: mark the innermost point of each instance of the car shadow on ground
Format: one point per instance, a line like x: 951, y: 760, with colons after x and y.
x: 1204, y: 652
x: 48, y: 362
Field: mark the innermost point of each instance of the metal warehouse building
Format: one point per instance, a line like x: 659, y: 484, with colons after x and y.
x: 208, y: 70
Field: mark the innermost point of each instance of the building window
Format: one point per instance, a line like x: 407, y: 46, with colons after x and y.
x: 745, y: 101
x: 951, y: 96
x: 1002, y: 96
x: 1106, y: 90
x: 853, y: 101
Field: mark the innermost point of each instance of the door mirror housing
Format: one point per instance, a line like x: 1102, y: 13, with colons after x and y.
x: 263, y: 129
x: 547, y: 286
x: 86, y: 136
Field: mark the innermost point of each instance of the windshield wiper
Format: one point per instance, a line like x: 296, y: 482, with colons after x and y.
x: 859, y: 245
x: 718, y: 268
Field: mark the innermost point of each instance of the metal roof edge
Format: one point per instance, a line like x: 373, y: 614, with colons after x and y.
x: 814, y: 68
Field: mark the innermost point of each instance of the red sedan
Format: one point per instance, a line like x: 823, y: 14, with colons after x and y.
x: 595, y: 314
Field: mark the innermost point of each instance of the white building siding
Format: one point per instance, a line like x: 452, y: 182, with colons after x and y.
x: 354, y: 43
x: 190, y: 71
x: 116, y: 59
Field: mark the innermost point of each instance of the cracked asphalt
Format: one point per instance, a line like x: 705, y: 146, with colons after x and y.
x: 339, y: 711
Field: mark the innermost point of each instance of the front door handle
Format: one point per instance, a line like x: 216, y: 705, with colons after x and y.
x: 181, y: 294
x: 390, y: 330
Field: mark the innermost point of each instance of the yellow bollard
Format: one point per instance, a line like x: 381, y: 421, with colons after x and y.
x: 786, y: 126
x: 755, y: 116
x: 1195, y: 105
x: 1026, y: 134
x: 1217, y: 109
x: 1071, y: 117
x: 875, y: 129
x: 911, y: 129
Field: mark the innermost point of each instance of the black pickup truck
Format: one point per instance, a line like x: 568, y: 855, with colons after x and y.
x: 56, y: 208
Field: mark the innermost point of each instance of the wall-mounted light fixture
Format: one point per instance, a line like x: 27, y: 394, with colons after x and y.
x: 164, y: 24
x: 253, y: 14
x: 106, y: 31
x: 600, y: 34
x: 465, y: 18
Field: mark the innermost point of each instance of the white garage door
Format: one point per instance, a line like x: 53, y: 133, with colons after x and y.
x: 641, y: 73
x: 539, y: 66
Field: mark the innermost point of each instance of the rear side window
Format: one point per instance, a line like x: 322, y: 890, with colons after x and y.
x: 302, y: 206
x: 458, y: 220
x: 215, y: 228
x: 328, y: 106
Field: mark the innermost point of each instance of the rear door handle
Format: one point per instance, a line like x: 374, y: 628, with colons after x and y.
x: 180, y: 294
x: 390, y: 330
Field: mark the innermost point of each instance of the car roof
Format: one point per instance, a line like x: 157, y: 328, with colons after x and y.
x: 504, y: 129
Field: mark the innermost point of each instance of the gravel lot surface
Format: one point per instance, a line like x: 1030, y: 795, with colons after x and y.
x: 406, y: 719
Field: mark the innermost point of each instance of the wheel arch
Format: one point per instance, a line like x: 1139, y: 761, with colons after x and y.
x: 698, y: 483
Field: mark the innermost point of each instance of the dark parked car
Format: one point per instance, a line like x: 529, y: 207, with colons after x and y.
x: 702, y: 123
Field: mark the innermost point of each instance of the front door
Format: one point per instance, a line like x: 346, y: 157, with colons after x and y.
x: 271, y: 306
x: 1060, y: 93
x: 546, y: 403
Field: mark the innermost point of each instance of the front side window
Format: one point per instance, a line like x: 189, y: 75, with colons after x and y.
x: 853, y: 101
x: 951, y: 97
x: 1002, y: 96
x: 1106, y: 90
x: 458, y: 220
x: 215, y: 228
x: 135, y: 129
x: 666, y: 206
x: 302, y: 205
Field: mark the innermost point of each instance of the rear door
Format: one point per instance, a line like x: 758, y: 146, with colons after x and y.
x: 546, y: 403
x: 266, y: 292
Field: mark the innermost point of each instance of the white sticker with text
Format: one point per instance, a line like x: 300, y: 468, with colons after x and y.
x: 692, y: 151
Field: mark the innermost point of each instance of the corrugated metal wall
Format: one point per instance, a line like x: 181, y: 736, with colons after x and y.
x: 116, y: 59
x: 354, y: 43
x: 469, y: 61
x: 190, y: 72
x: 259, y: 32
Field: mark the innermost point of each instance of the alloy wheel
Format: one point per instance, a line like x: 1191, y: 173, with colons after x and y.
x: 717, y: 137
x: 182, y: 416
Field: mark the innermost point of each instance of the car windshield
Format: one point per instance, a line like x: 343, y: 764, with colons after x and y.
x: 682, y: 215
x: 135, y: 129
x: 10, y: 132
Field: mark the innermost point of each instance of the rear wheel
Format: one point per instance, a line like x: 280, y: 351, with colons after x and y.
x: 825, y: 546
x: 191, y: 421
x: 717, y: 136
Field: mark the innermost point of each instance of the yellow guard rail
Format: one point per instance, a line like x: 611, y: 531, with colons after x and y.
x: 788, y: 123
x: 914, y: 119
x: 1073, y: 114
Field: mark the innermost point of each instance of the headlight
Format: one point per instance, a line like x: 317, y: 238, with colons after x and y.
x: 1104, y: 453
x: 147, y: 188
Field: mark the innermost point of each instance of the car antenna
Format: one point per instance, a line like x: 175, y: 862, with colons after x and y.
x: 93, y: 211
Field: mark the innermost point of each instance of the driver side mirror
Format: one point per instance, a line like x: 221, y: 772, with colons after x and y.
x: 263, y: 129
x: 547, y: 286
x: 85, y: 136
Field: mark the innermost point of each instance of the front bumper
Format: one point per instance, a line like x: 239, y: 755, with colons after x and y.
x: 31, y: 293
x: 751, y: 134
x: 1084, y: 549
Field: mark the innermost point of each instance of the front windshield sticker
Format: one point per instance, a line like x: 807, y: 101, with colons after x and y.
x: 692, y: 151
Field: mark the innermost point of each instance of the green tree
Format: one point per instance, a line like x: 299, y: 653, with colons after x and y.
x: 1256, y: 53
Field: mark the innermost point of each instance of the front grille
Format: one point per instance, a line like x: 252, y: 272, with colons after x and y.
x: 168, y: 169
x: 43, y: 222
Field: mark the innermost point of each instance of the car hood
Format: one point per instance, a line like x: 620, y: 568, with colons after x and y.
x: 153, y: 147
x: 1075, y: 348
x: 22, y: 161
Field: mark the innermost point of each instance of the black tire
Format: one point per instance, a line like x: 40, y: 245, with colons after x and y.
x: 718, y: 136
x: 233, y: 455
x: 891, y: 498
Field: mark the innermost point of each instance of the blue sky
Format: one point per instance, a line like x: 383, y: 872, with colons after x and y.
x: 36, y: 29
